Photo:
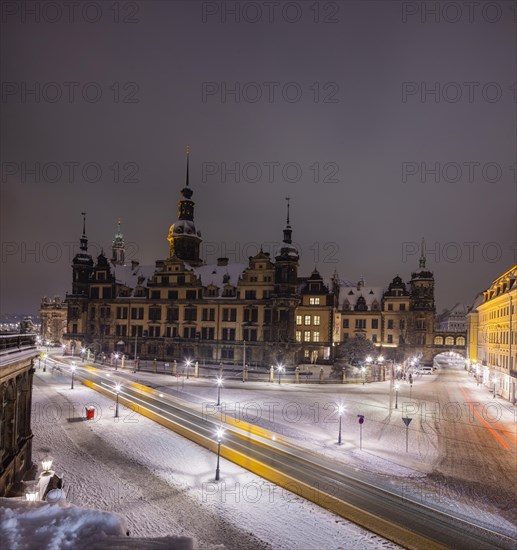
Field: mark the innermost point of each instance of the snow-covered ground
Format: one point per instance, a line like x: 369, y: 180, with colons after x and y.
x: 436, y: 470
x: 164, y: 484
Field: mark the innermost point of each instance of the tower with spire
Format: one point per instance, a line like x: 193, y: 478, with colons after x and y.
x: 422, y: 285
x: 82, y: 265
x: 184, y: 239
x: 118, y: 250
x: 286, y: 266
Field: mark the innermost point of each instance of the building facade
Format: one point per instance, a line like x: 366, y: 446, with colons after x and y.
x: 53, y: 315
x: 17, y: 354
x: 492, y: 334
x: 257, y: 313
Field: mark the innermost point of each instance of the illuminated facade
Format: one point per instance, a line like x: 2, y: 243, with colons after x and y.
x: 492, y: 333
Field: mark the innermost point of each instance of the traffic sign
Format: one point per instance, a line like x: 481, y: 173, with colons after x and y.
x: 361, y: 418
x: 406, y: 420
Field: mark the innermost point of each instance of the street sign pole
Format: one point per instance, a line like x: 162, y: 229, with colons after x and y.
x: 407, y: 422
x: 361, y: 421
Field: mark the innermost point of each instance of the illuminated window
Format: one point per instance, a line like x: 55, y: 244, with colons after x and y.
x: 314, y: 301
x: 307, y: 336
x: 316, y: 320
x: 315, y: 336
x: 298, y: 335
x: 307, y: 319
x: 298, y: 319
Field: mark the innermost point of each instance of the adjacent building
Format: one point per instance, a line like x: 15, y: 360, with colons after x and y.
x: 492, y: 334
x: 53, y: 313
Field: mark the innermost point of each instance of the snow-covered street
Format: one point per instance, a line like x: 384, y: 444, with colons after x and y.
x: 164, y: 484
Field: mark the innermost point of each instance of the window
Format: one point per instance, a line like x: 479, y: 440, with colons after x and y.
x: 360, y: 323
x: 307, y: 319
x: 191, y: 294
x: 137, y: 330
x: 172, y: 295
x: 402, y: 307
x: 449, y: 341
x: 375, y: 323
x: 173, y: 314
x: 229, y: 334
x: 121, y: 312
x: 155, y: 314
x: 390, y: 307
x: 250, y: 335
x: 345, y: 337
x: 306, y: 353
x: 390, y: 323
x: 227, y: 353
x: 374, y: 338
x: 208, y: 314
x: 251, y: 315
x: 189, y: 332
x: 171, y: 332
x: 314, y: 301
x: 155, y: 295
x: 315, y: 336
x: 390, y: 339
x: 402, y: 324
x: 106, y: 293
x: 121, y: 330
x: 208, y: 333
x: 190, y: 314
x: 250, y: 295
x: 154, y: 332
x: 420, y: 324
x: 137, y: 313
x: 94, y: 293
x: 229, y: 314
x: 298, y: 335
x: 267, y: 317
x: 298, y: 319
x: 307, y: 336
x: 266, y: 294
x: 316, y: 320
x: 460, y: 341
x: 345, y: 323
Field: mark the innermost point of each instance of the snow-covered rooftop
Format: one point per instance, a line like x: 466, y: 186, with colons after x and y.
x: 213, y: 274
x: 352, y: 294
x: 128, y: 275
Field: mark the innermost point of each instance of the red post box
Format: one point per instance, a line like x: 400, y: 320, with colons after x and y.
x: 90, y: 413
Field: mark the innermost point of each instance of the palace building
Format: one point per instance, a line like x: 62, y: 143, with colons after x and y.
x: 257, y: 313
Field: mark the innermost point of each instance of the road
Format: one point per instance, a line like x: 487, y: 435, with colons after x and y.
x: 342, y: 490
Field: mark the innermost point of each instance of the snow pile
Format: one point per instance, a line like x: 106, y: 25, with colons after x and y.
x: 27, y: 525
x: 40, y: 525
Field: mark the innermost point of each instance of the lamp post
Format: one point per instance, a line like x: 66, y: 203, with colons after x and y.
x: 45, y: 355
x: 187, y: 363
x: 363, y: 370
x: 64, y: 349
x: 219, y: 382
x: 219, y: 433
x: 83, y: 351
x: 116, y: 359
x: 280, y: 369
x: 340, y: 411
x: 117, y: 390
x: 495, y: 382
x: 46, y: 464
x: 72, y: 368
x: 397, y: 387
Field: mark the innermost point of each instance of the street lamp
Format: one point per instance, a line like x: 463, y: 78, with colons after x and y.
x: 117, y: 389
x: 188, y: 362
x: 219, y: 382
x: 280, y: 369
x: 32, y: 494
x: 46, y: 464
x: 64, y: 349
x: 72, y: 368
x: 495, y: 382
x: 219, y: 433
x: 340, y: 411
x: 83, y: 351
x: 363, y: 370
x: 45, y: 355
x: 116, y: 359
x: 397, y: 387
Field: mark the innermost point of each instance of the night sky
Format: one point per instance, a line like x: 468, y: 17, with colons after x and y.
x: 332, y: 107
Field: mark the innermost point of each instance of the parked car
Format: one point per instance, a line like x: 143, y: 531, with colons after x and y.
x: 425, y: 370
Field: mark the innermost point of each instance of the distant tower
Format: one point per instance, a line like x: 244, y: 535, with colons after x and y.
x: 82, y: 265
x: 118, y: 248
x: 286, y: 263
x: 422, y: 286
x: 184, y: 239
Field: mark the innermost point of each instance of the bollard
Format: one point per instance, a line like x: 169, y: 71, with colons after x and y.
x: 271, y: 374
x: 196, y: 370
x: 245, y: 374
x: 174, y: 368
x: 122, y: 361
x: 321, y: 375
x: 297, y: 374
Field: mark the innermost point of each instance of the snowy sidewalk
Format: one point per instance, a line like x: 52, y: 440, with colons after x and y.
x: 164, y: 484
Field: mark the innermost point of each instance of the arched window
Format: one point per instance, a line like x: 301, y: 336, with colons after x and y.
x: 438, y: 340
x: 460, y: 341
x: 449, y: 341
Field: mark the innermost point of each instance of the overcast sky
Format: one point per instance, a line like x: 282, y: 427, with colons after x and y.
x: 348, y: 109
